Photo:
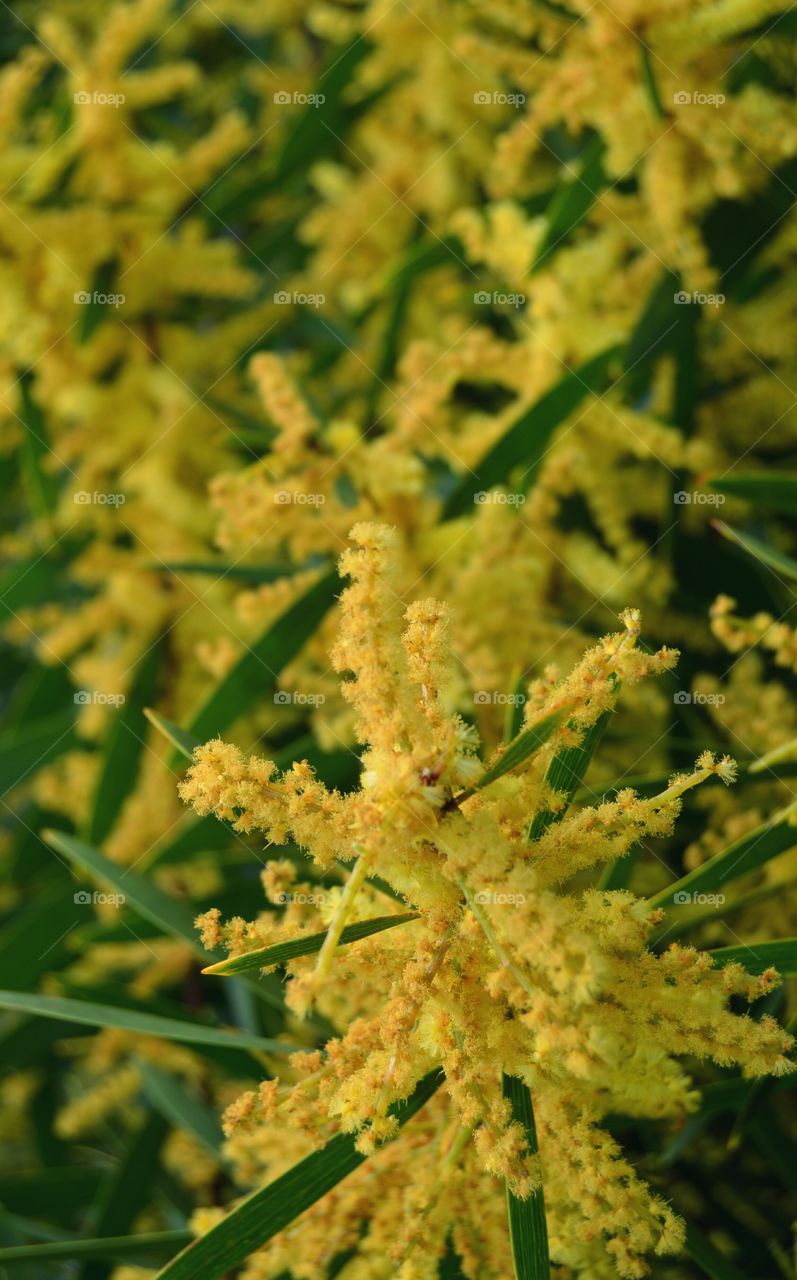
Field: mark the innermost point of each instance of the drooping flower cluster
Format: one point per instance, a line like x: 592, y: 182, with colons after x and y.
x: 511, y: 965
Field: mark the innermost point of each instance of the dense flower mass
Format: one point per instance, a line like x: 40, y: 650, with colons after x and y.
x: 511, y: 964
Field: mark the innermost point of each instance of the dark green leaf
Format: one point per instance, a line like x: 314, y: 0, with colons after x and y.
x: 527, y: 439
x: 153, y: 1242
x: 774, y: 490
x: 780, y: 563
x: 87, y: 1013
x: 566, y: 773
x: 170, y: 1097
x: 258, y: 669
x: 528, y: 1231
x: 124, y: 744
x: 262, y: 1214
x: 745, y: 854
x: 758, y: 956
x: 572, y: 201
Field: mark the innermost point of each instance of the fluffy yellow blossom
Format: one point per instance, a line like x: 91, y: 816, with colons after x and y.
x: 512, y: 964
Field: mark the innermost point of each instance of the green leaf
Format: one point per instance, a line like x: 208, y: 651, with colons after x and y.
x: 528, y: 1231
x: 93, y: 313
x: 173, y: 917
x: 746, y: 854
x: 307, y: 945
x: 758, y: 956
x: 33, y: 746
x: 314, y: 128
x: 572, y: 201
x: 527, y: 439
x: 34, y: 941
x: 708, y: 1257
x: 270, y: 1209
x: 166, y: 913
x: 258, y: 669
x: 108, y: 1247
x: 123, y: 747
x: 185, y: 743
x: 41, y: 485
x: 775, y: 490
x: 171, y: 1098
x: 524, y: 745
x: 127, y: 1191
x: 86, y: 1013
x: 648, y: 79
x: 249, y: 573
x: 65, y: 1189
x: 777, y: 561
x: 566, y: 773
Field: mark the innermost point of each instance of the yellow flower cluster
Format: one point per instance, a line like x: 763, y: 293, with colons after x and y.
x: 512, y: 964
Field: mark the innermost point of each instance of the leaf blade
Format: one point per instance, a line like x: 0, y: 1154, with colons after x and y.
x: 271, y: 1208
x: 308, y: 945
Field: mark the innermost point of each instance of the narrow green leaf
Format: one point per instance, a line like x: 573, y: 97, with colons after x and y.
x: 746, y: 854
x: 123, y: 747
x: 41, y: 484
x: 93, y: 312
x: 166, y: 913
x: 127, y: 1191
x: 173, y: 917
x: 527, y: 439
x: 313, y: 128
x: 249, y: 573
x: 528, y: 1231
x: 66, y: 1189
x: 153, y: 1242
x: 648, y: 78
x: 170, y: 1097
x: 774, y: 490
x: 708, y: 1257
x: 272, y: 1208
x: 34, y: 941
x: 524, y: 745
x: 305, y: 946
x: 33, y: 746
x: 86, y: 1013
x: 778, y: 561
x: 259, y: 667
x: 758, y: 956
x: 185, y: 743
x: 566, y: 773
x: 572, y: 201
